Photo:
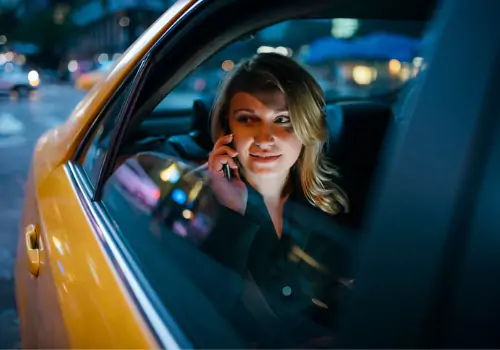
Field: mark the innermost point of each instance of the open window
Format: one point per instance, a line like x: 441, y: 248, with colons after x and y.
x: 148, y: 193
x: 352, y: 59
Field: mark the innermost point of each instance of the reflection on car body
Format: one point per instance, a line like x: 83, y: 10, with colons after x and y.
x: 136, y: 182
x: 175, y: 195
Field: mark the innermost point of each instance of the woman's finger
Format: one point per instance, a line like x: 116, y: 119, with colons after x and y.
x: 217, y: 163
x: 224, y: 140
x: 224, y: 150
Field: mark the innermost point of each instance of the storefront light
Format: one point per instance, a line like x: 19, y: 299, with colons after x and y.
x: 364, y: 75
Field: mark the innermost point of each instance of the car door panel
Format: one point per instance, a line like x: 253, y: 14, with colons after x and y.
x: 26, y: 288
x: 78, y: 297
x: 474, y: 311
x: 413, y: 255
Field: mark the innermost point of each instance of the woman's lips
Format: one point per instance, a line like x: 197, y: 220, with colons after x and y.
x: 264, y: 158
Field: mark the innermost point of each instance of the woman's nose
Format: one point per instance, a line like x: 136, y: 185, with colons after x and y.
x: 264, y: 135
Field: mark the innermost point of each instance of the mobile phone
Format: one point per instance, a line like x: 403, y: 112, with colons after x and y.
x: 226, y: 170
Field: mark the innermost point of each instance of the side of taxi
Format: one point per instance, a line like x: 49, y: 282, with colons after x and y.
x: 95, y: 268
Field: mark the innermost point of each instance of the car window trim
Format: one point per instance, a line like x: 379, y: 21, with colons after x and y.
x: 161, y: 324
x: 126, y: 110
x: 101, y: 116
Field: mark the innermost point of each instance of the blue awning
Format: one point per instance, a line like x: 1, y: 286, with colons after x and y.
x: 24, y: 48
x: 379, y: 46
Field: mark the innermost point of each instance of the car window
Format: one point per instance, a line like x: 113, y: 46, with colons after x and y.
x: 289, y: 293
x: 349, y: 58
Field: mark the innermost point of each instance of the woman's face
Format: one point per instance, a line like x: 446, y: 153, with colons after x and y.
x: 263, y: 134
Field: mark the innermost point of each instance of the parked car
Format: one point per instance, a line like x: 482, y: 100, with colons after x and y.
x: 17, y: 82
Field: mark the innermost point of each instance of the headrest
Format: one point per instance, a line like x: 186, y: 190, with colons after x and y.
x: 198, y: 143
x: 201, y: 122
x: 357, y: 131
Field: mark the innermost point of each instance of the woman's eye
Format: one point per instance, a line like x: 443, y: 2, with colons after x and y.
x: 284, y: 119
x: 245, y: 119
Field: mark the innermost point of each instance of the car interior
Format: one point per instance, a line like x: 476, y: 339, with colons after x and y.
x: 358, y: 128
x: 357, y: 131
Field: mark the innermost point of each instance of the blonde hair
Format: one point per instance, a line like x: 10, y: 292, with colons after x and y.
x: 306, y: 105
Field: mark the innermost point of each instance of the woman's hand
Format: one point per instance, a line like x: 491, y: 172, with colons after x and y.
x: 232, y: 194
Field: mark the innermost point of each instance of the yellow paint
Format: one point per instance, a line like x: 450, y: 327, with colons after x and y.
x: 77, y: 299
x: 32, y: 249
x: 91, y: 299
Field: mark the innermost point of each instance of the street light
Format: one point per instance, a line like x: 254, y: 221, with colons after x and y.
x: 124, y: 21
x: 3, y: 39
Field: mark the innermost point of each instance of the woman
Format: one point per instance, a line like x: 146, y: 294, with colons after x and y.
x: 276, y: 226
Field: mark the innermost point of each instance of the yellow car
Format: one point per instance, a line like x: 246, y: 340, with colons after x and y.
x: 87, y: 80
x: 114, y: 209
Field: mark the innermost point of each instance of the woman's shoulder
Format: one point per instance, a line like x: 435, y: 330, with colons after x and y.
x: 316, y: 225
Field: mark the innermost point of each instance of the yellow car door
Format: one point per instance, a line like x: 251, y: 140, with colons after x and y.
x: 75, y: 286
x: 71, y: 291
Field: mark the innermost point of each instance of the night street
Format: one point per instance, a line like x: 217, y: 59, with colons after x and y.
x: 21, y: 123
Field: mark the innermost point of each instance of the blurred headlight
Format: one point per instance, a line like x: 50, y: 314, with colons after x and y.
x: 34, y: 78
x: 33, y: 75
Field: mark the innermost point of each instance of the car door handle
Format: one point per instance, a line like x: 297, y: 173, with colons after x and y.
x: 32, y: 249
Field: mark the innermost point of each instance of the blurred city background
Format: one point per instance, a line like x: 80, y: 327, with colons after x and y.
x: 53, y: 51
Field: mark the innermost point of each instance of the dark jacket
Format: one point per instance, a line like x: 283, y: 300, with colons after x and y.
x: 295, y: 284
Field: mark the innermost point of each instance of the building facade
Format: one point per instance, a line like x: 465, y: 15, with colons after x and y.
x: 107, y: 28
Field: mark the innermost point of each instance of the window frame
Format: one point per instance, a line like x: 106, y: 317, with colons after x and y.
x: 260, y: 14
x: 160, y: 323
x: 103, y: 116
x: 134, y: 78
x: 89, y: 194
